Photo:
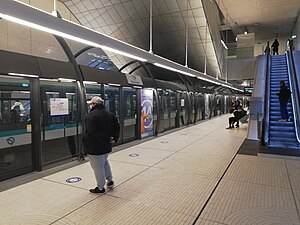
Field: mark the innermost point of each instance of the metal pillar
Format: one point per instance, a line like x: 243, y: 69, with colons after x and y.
x: 187, y: 34
x: 151, y: 28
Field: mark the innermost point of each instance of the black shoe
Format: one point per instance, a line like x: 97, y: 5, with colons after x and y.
x: 228, y: 128
x: 97, y: 190
x: 237, y: 126
x: 110, y: 184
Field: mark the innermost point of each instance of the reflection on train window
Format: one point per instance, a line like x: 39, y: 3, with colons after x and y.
x: 14, y: 107
x: 173, y: 105
x: 112, y: 99
x: 72, y: 107
x: 130, y: 103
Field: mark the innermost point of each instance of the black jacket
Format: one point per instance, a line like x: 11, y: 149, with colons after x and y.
x: 284, y: 94
x: 101, y: 125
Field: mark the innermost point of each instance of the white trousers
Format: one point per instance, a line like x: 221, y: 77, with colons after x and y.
x: 101, y: 168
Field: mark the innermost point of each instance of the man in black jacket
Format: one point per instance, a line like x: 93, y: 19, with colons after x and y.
x: 102, y: 130
x: 284, y: 97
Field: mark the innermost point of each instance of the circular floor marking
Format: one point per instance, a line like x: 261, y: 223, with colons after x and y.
x: 73, y: 179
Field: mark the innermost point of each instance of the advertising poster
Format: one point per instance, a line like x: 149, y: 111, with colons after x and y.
x: 59, y: 106
x: 146, y: 113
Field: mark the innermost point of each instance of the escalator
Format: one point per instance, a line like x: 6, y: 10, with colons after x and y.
x: 282, y: 134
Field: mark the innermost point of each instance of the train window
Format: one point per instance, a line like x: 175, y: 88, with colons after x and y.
x: 52, y: 119
x: 72, y: 107
x: 173, y: 105
x: 112, y: 99
x: 14, y: 107
x: 130, y: 103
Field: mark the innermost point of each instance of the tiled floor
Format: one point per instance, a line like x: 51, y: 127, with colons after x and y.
x: 191, y: 176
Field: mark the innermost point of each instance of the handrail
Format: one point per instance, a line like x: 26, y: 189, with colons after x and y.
x: 295, y: 91
x: 265, y: 120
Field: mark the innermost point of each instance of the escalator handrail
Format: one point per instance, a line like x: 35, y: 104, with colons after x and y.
x: 265, y: 120
x: 294, y: 92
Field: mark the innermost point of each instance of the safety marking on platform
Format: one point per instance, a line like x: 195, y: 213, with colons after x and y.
x: 73, y: 179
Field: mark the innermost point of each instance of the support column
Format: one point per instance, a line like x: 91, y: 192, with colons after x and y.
x: 151, y: 28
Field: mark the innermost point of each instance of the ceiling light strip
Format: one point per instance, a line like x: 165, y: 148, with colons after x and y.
x: 35, y: 18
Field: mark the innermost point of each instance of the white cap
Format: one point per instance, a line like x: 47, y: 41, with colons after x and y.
x: 97, y: 100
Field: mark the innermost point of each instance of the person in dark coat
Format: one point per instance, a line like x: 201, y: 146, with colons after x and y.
x: 102, y: 130
x: 238, y: 114
x: 284, y: 97
x: 275, y: 46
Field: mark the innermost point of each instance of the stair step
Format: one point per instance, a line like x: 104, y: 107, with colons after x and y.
x: 277, y: 113
x: 283, y: 134
x: 278, y: 123
x: 282, y: 129
x: 278, y: 144
x: 283, y: 139
x: 277, y: 104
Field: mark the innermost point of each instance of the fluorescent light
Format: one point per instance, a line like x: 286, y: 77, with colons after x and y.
x: 89, y: 82
x: 223, y: 43
x: 48, y: 30
x: 45, y: 79
x: 111, y: 84
x: 166, y: 67
x: 137, y: 87
x: 66, y: 80
x: 188, y: 74
x: 22, y: 75
x: 122, y: 53
x: 71, y: 37
x: 244, y: 83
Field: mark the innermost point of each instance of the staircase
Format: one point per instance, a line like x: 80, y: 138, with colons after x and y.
x: 281, y: 134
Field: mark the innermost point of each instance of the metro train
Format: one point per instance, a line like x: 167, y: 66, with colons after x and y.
x: 41, y: 120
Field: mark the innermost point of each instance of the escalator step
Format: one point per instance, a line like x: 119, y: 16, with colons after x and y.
x: 277, y: 144
x: 282, y: 129
x: 278, y: 123
x: 282, y: 134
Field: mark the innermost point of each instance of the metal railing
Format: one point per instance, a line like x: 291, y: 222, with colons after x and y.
x: 264, y: 140
x: 294, y: 91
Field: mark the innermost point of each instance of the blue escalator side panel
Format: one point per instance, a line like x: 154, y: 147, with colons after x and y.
x: 281, y: 134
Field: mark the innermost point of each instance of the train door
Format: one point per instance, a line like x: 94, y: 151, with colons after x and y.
x: 161, y: 111
x: 173, y: 109
x: 193, y: 108
x: 112, y: 103
x: 130, y: 114
x: 197, y: 107
x: 184, y: 109
x: 208, y: 105
x: 202, y: 106
x: 166, y: 107
x: 16, y: 155
x: 60, y: 120
x: 155, y: 111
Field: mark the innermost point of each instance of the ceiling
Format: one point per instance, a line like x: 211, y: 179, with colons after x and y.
x: 266, y: 18
x: 128, y: 21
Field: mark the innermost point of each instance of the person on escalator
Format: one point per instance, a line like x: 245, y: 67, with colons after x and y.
x: 275, y: 46
x: 284, y: 96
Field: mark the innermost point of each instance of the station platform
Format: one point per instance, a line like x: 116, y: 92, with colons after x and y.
x: 191, y: 176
